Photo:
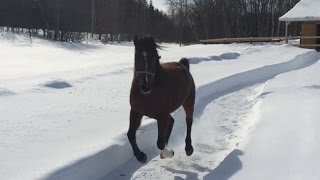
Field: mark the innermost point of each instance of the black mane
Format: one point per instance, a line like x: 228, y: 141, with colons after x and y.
x: 148, y: 43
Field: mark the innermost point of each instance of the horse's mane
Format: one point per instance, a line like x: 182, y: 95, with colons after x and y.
x: 150, y: 43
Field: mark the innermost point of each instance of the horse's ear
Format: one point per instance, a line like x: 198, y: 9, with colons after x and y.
x: 137, y: 41
x: 149, y: 38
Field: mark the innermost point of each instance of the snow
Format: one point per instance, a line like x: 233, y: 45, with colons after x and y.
x: 64, y: 112
x: 285, y: 144
x: 305, y: 10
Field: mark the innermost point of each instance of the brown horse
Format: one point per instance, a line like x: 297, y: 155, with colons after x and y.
x: 156, y: 91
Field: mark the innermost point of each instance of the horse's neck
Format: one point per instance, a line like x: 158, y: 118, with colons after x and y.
x: 159, y: 69
x: 159, y: 72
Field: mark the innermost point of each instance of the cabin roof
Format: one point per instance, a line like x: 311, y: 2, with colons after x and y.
x: 305, y: 10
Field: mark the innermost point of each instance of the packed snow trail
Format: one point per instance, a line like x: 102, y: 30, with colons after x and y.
x: 117, y: 156
x: 223, y: 125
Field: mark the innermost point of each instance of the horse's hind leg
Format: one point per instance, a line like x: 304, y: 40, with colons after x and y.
x: 189, y: 108
x: 135, y: 121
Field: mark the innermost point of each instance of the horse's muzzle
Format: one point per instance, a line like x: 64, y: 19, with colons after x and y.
x: 145, y: 90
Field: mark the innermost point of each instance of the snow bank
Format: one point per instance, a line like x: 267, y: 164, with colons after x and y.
x: 285, y: 144
x: 238, y: 81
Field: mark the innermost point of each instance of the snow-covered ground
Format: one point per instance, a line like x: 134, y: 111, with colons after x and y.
x: 285, y: 144
x: 64, y: 112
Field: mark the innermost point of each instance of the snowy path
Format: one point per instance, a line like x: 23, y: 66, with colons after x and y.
x: 221, y: 129
x: 226, y: 109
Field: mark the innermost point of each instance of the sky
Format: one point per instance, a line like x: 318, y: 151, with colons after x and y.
x: 160, y: 4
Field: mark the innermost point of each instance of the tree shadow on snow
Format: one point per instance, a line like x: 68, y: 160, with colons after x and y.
x: 57, y: 84
x: 96, y: 166
x: 224, y: 56
x: 313, y: 87
x: 115, y: 162
x: 6, y: 92
x: 190, y: 175
x: 227, y: 168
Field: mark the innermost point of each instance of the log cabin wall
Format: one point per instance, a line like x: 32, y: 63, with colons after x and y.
x: 308, y: 29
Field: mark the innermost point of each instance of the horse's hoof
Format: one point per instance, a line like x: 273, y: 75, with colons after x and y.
x: 189, y: 151
x: 166, y: 153
x: 142, y: 157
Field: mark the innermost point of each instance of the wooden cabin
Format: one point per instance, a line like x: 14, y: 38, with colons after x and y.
x: 307, y: 12
x: 310, y: 29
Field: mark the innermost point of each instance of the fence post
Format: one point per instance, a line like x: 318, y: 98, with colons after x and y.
x: 287, y: 24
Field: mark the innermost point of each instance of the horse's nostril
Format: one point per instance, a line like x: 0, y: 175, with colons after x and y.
x: 145, y: 89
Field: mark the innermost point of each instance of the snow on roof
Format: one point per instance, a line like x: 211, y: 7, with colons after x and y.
x: 305, y: 10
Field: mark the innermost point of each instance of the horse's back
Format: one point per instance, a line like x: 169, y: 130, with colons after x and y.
x: 179, y: 80
x: 176, y: 68
x: 178, y: 72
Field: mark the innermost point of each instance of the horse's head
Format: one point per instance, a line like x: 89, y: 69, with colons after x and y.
x: 146, y: 62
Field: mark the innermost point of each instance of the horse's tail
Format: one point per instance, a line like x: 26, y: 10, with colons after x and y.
x: 185, y: 62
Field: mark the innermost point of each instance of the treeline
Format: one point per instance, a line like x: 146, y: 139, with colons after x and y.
x: 187, y: 21
x: 65, y: 20
x: 204, y: 19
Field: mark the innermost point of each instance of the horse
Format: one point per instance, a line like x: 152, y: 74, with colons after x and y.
x: 157, y: 90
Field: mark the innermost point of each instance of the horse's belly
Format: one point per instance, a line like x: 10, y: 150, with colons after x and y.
x: 177, y: 102
x: 151, y: 107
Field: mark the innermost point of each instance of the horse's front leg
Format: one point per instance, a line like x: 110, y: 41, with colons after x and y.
x: 164, y: 129
x: 135, y: 121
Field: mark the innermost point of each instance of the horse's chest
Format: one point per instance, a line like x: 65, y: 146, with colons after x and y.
x: 166, y: 97
x: 148, y: 105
